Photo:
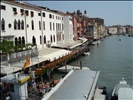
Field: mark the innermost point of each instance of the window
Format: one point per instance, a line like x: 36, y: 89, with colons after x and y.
x: 34, y: 40
x: 54, y: 38
x: 43, y: 14
x: 62, y: 27
x: 23, y: 40
x: 50, y: 16
x: 44, y: 25
x: 18, y: 24
x: 22, y: 25
x: 53, y: 26
x: 19, y: 40
x: 3, y: 24
x: 40, y: 40
x: 50, y: 26
x: 16, y: 41
x: 26, y: 12
x: 70, y: 19
x: 44, y: 39
x: 14, y: 10
x: 39, y: 14
x: 32, y: 13
x: 53, y: 16
x: 15, y: 24
x: 32, y: 25
x: 51, y: 38
x: 39, y: 25
x: 3, y: 7
x: 22, y: 11
x: 9, y: 25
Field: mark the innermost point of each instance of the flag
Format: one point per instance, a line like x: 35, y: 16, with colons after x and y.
x: 27, y: 63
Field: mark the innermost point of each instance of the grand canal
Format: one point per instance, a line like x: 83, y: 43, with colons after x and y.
x: 113, y: 57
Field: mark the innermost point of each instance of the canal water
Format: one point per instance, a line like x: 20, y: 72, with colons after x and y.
x: 113, y: 57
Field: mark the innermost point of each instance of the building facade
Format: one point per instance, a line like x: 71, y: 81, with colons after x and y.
x: 25, y: 23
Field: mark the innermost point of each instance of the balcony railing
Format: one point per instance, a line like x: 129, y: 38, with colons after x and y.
x: 59, y: 31
x: 20, y: 56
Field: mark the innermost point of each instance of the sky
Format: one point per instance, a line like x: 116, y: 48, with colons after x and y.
x: 113, y: 12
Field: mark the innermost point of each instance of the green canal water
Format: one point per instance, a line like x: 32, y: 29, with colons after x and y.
x: 113, y: 57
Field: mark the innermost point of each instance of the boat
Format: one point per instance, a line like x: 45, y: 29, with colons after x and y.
x: 87, y: 53
x: 94, y: 42
x: 122, y: 91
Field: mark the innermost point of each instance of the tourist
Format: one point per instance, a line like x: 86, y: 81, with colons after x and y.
x: 33, y: 84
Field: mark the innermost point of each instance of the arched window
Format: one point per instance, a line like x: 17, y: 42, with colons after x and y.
x: 34, y: 40
x: 23, y: 40
x: 18, y: 24
x: 16, y: 41
x: 19, y: 40
x: 32, y: 25
x: 53, y: 26
x: 44, y: 39
x: 3, y: 24
x: 39, y: 25
x: 51, y: 38
x: 44, y: 25
x: 40, y: 40
x: 54, y: 38
x: 50, y: 26
x: 22, y: 25
x: 15, y: 24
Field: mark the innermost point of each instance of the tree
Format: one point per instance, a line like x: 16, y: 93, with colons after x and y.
x: 7, y: 47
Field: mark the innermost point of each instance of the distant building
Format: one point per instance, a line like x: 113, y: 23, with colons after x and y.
x: 130, y: 30
x: 122, y: 29
x: 79, y: 24
x: 112, y: 30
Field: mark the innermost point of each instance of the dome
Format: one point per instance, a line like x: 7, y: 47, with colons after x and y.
x: 86, y: 16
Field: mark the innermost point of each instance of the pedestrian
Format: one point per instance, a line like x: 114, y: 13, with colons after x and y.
x: 33, y: 83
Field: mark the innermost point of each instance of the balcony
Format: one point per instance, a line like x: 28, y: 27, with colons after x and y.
x: 59, y: 31
x: 20, y: 55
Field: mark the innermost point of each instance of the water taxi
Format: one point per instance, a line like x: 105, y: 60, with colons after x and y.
x: 122, y: 91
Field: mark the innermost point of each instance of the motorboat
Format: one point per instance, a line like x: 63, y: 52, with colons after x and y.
x: 122, y: 91
x: 87, y: 53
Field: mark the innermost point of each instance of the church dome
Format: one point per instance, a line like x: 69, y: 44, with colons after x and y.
x: 85, y: 14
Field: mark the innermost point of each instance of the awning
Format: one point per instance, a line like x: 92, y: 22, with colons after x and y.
x: 56, y: 55
x: 83, y: 40
x: 75, y: 45
x: 69, y: 45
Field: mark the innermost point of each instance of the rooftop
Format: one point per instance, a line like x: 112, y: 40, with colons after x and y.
x: 78, y: 85
x: 14, y: 78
